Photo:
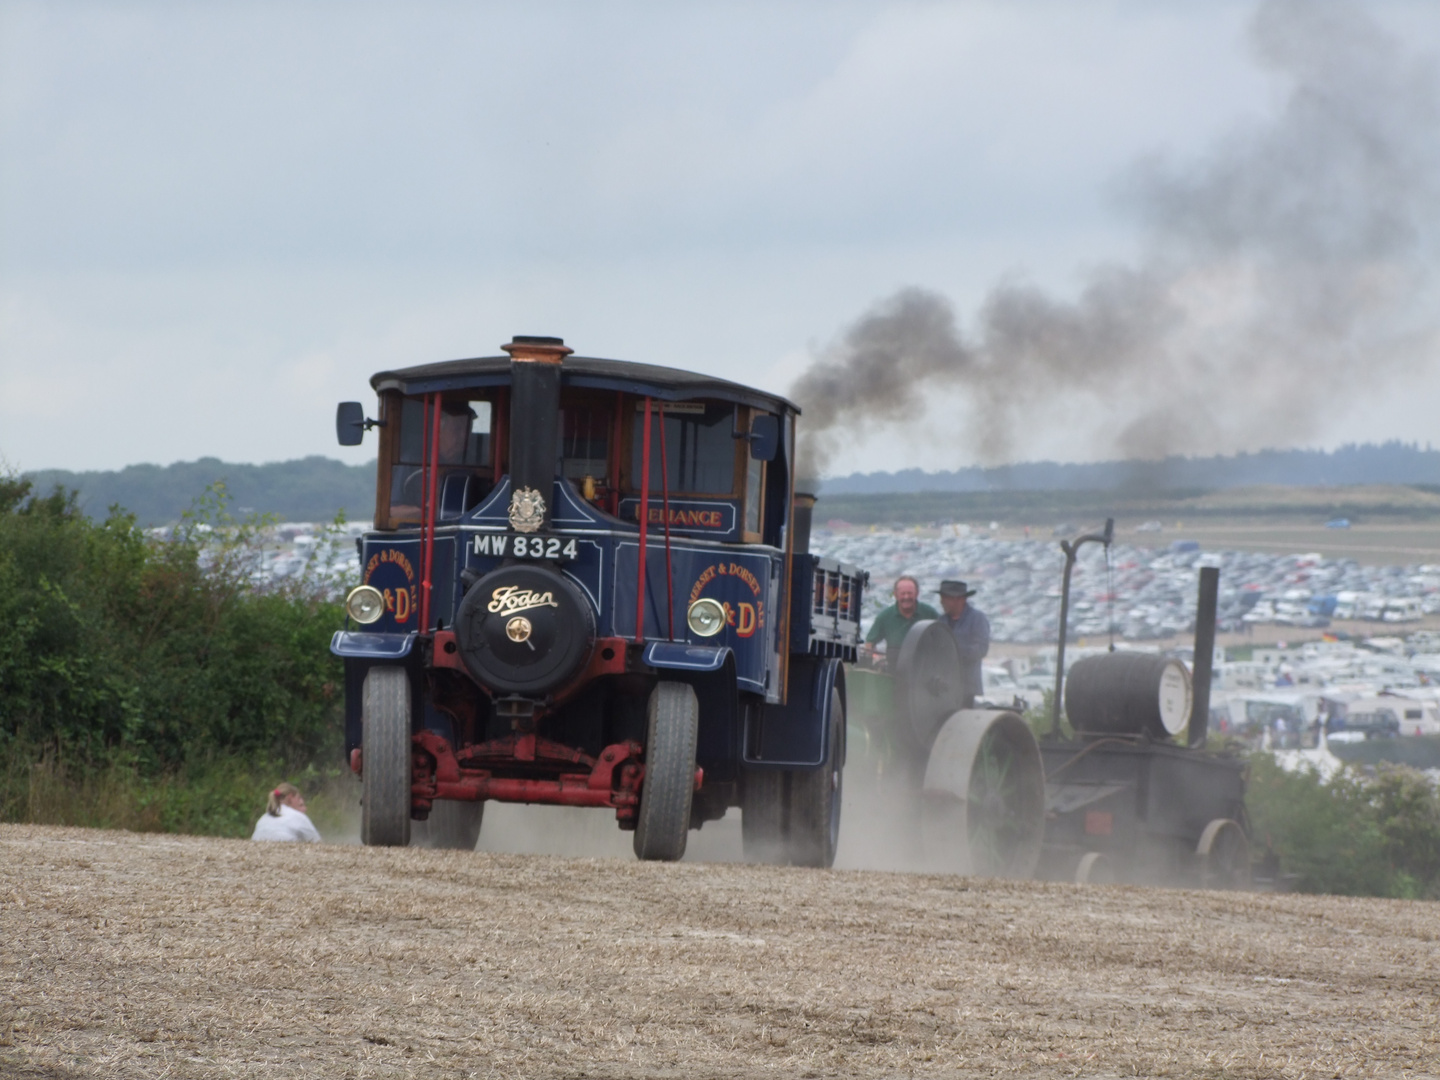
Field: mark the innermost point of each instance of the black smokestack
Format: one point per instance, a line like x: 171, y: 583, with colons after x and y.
x: 1203, y: 669
x: 535, y: 364
x: 1284, y: 275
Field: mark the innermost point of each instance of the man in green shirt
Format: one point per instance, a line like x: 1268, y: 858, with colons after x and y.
x: 892, y: 624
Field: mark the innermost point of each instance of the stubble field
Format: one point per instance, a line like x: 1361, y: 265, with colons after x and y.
x: 125, y: 955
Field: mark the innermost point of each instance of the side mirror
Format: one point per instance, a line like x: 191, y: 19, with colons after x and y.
x: 350, y: 423
x: 764, y: 437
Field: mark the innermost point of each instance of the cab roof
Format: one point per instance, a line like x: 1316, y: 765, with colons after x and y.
x: 667, y: 384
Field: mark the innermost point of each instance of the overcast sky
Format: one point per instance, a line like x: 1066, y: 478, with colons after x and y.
x: 217, y: 220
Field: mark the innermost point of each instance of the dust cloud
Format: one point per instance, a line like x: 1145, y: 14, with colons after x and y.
x: 1283, y: 275
x: 878, y: 827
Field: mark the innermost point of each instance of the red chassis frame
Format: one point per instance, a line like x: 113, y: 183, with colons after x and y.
x: 574, y: 777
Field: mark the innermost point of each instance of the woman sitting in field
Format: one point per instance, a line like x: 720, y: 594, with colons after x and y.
x: 285, y: 818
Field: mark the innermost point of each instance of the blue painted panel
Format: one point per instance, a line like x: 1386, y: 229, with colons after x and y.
x: 359, y: 645
x: 392, y: 565
x: 569, y: 512
x: 741, y: 580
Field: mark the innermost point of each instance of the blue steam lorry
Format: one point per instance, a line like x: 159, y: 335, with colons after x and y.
x: 588, y: 584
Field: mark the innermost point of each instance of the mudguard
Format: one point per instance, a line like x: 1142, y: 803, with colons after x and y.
x: 364, y: 646
x: 679, y: 656
x: 793, y: 735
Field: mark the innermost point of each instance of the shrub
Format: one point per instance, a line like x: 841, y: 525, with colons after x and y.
x: 1357, y: 835
x: 146, y: 676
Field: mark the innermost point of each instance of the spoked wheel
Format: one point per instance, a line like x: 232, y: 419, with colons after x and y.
x: 452, y: 825
x: 1223, y: 856
x: 668, y: 788
x: 815, y: 799
x: 984, y: 796
x: 385, y: 758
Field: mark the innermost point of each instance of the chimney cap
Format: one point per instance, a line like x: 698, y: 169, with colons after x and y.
x: 533, y: 347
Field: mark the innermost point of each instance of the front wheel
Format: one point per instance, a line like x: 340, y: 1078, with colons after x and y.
x: 385, y: 757
x: 668, y: 788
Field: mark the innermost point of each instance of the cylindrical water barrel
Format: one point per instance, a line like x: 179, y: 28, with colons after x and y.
x: 1127, y: 693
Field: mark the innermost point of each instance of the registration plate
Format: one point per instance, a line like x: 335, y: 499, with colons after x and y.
x: 521, y: 546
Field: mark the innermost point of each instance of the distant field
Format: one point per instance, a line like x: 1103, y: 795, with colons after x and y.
x: 1386, y: 543
x: 1375, y: 504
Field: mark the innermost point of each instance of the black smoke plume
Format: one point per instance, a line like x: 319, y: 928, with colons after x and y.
x: 1284, y: 275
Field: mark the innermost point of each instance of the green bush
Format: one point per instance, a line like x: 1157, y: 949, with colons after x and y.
x: 145, y: 682
x: 1356, y: 835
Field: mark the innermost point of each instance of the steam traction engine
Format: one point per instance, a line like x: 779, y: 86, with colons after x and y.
x: 589, y: 585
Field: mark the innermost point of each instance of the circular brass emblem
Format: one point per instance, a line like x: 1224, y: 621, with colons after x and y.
x: 518, y: 628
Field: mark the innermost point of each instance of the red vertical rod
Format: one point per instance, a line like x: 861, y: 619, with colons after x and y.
x: 644, y: 526
x: 665, y: 505
x: 419, y: 606
x: 427, y: 524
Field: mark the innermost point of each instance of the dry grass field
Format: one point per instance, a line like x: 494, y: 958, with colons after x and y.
x: 125, y: 955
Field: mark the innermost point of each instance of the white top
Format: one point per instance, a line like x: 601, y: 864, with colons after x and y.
x: 290, y: 825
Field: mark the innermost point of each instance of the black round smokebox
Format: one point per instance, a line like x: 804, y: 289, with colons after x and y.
x: 524, y: 630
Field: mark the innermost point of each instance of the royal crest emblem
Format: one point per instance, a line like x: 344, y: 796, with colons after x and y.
x: 527, y: 510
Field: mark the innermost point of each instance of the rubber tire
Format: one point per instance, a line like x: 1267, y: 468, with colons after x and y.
x: 763, y: 810
x: 453, y: 826
x: 815, y: 799
x: 668, y: 788
x: 385, y: 758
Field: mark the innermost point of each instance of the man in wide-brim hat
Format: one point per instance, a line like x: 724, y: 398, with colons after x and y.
x: 972, y: 635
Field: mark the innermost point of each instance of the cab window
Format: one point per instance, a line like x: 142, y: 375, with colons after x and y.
x: 464, y: 446
x: 699, y: 445
x: 584, y: 442
x: 464, y: 433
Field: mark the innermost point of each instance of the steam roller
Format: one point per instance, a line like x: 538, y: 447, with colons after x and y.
x: 1130, y: 793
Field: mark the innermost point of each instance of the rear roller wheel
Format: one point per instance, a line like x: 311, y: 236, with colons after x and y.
x: 668, y: 788
x: 385, y: 757
x: 1223, y: 856
x: 1095, y: 869
x: 984, y: 796
x: 452, y: 825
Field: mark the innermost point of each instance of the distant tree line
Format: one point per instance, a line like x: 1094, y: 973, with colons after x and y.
x: 307, y: 489
x: 316, y: 488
